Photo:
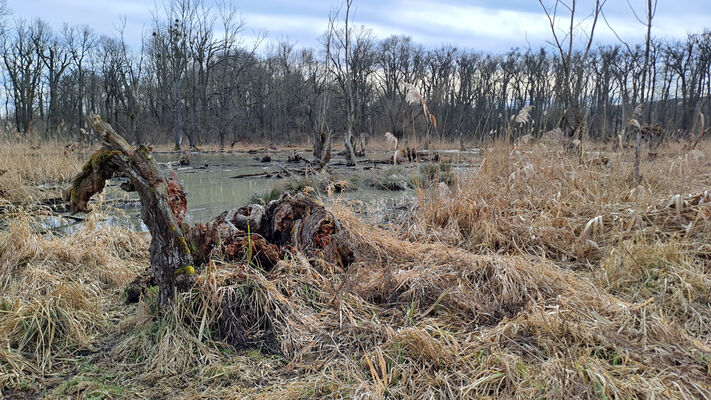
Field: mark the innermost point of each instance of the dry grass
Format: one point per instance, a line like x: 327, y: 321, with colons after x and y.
x: 536, y: 276
x: 30, y: 172
x: 53, y: 293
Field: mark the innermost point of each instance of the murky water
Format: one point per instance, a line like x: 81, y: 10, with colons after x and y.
x: 212, y: 186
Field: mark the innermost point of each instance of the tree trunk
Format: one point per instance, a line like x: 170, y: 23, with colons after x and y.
x: 350, y: 151
x: 171, y: 261
x: 320, y: 142
x: 177, y: 115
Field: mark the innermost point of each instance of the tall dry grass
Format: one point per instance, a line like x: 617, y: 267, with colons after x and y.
x: 535, y: 276
x: 31, y: 171
x: 542, y: 200
x: 422, y: 320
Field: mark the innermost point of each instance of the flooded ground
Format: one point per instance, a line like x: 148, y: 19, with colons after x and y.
x: 215, y: 182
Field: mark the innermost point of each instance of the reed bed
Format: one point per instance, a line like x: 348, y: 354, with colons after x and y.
x: 30, y: 172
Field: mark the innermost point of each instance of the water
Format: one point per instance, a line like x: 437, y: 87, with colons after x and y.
x: 211, y: 186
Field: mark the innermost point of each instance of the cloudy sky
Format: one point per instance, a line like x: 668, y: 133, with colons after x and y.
x: 491, y: 25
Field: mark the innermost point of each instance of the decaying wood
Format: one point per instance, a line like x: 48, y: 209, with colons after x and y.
x: 171, y: 261
x: 295, y: 157
x: 91, y: 179
x: 261, y: 234
x: 176, y: 198
x: 286, y: 225
x: 350, y: 149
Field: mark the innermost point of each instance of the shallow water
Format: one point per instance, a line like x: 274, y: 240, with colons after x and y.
x: 211, y: 186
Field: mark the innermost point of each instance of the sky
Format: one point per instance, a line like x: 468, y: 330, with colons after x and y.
x: 489, y: 26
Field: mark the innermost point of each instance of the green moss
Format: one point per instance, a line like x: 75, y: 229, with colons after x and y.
x: 144, y: 152
x: 74, y: 196
x: 98, y: 159
x: 90, y: 387
x: 184, y: 244
x: 186, y: 270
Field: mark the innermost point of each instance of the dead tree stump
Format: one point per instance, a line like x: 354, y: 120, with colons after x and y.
x: 263, y: 234
x: 289, y: 224
x: 171, y: 261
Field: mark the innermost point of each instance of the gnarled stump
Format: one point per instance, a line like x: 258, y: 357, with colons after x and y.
x: 290, y: 223
x: 171, y: 261
x: 263, y: 234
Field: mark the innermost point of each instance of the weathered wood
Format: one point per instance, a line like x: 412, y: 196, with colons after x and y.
x: 261, y: 234
x: 171, y: 261
x: 176, y: 198
x: 288, y: 224
x: 253, y: 175
x: 350, y: 150
x: 102, y: 165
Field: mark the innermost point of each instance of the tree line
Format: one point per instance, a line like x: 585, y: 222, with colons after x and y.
x: 196, y: 78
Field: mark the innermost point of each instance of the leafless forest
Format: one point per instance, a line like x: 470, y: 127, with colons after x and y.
x: 196, y: 76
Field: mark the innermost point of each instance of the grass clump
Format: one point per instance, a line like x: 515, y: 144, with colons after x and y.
x: 52, y: 289
x: 434, y: 174
x: 313, y: 184
x: 391, y: 179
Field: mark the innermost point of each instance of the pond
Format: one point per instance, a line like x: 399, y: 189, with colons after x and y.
x: 215, y: 182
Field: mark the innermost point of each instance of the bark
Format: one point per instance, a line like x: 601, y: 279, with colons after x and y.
x: 350, y: 150
x: 325, y: 152
x: 286, y: 225
x: 171, y: 261
x: 320, y: 144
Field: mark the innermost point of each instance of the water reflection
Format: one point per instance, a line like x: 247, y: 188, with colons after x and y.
x: 211, y: 187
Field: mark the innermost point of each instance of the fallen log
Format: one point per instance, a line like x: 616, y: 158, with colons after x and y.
x: 253, y: 175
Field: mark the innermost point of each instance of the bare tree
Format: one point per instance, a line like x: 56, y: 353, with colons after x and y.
x: 651, y: 10
x: 56, y: 57
x: 23, y: 67
x: 171, y: 54
x: 81, y: 41
x: 229, y: 72
x: 341, y: 53
x: 193, y: 77
x: 130, y: 74
x: 571, y: 85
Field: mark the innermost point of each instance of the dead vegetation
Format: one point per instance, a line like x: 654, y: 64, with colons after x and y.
x: 535, y: 276
x: 31, y: 172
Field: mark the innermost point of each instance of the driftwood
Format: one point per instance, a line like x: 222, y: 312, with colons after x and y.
x: 184, y: 159
x: 171, y: 261
x: 295, y: 157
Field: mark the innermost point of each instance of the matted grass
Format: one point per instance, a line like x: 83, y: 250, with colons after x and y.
x: 538, y: 275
